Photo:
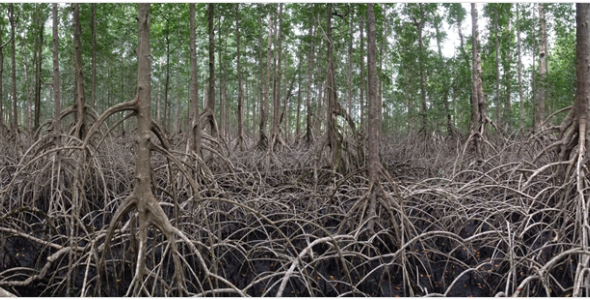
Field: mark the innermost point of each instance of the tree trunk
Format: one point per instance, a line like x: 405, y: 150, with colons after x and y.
x: 222, y: 100
x: 362, y: 58
x: 211, y: 90
x: 158, y: 97
x: 507, y: 78
x: 373, y: 101
x: 274, y: 72
x: 143, y: 168
x: 93, y: 88
x: 240, y: 100
x: 13, y: 46
x: 38, y: 66
x: 519, y: 67
x: 534, y: 84
x: 81, y: 98
x: 298, y: 110
x: 263, y: 141
x: 541, y: 80
x: 276, y: 107
x: 350, y: 37
x: 310, y: 61
x: 167, y: 80
x: 420, y: 25
x: 330, y: 92
x: 2, y: 124
x: 498, y: 101
x: 56, y: 83
x: 27, y: 116
x: 574, y: 129
x: 194, y: 132
x: 478, y: 101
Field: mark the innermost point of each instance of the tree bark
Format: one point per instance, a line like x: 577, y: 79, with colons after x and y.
x: 38, y: 66
x: 350, y: 37
x: 13, y: 46
x: 240, y: 99
x: 541, y: 80
x: 419, y: 26
x: 330, y: 91
x: 298, y: 111
x: 534, y: 83
x: 276, y: 106
x: 478, y: 101
x: 211, y: 91
x: 519, y: 67
x: 263, y: 141
x: 56, y: 83
x: 143, y: 169
x: 310, y: 67
x: 374, y: 102
x: 507, y: 78
x: 25, y: 64
x: 93, y: 87
x: 498, y: 101
x: 362, y: 57
x: 81, y: 98
x: 222, y: 100
x: 167, y: 80
x: 194, y: 132
x: 2, y: 124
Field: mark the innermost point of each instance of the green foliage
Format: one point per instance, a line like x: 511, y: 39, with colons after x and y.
x: 448, y: 77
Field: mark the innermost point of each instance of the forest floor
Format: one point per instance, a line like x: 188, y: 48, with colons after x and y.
x: 442, y: 225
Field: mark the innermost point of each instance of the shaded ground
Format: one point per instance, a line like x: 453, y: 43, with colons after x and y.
x: 468, y: 232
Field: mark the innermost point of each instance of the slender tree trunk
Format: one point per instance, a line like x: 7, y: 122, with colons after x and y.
x: 498, y: 101
x: 143, y: 169
x: 374, y: 110
x: 261, y: 75
x: 222, y: 100
x: 274, y: 71
x: 350, y: 37
x: 167, y: 80
x: 2, y: 124
x: 478, y: 101
x: 13, y: 46
x: 298, y: 110
x: 38, y: 67
x: 508, y: 79
x: 159, y: 97
x: 263, y: 142
x: 27, y: 116
x: 194, y: 132
x: 362, y: 57
x: 519, y: 67
x: 373, y: 101
x: 534, y: 84
x: 81, y: 98
x: 420, y: 25
x: 211, y: 90
x: 333, y: 141
x: 93, y: 88
x: 541, y: 80
x: 310, y: 67
x: 240, y: 100
x: 56, y: 83
x: 277, y: 89
x: 226, y: 107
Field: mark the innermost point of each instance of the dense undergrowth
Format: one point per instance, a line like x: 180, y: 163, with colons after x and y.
x: 446, y: 226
